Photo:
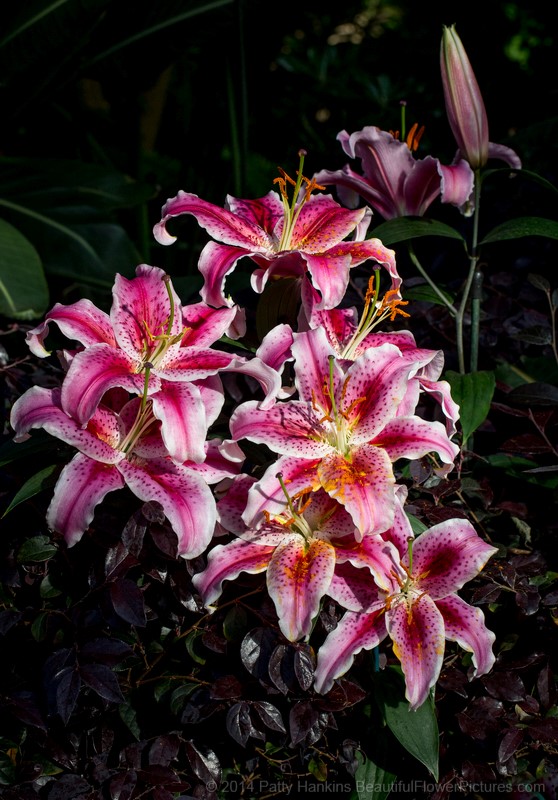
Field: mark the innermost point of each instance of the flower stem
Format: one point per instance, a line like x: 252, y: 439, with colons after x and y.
x: 451, y: 308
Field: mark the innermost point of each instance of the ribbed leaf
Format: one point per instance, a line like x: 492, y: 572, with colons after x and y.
x: 23, y: 287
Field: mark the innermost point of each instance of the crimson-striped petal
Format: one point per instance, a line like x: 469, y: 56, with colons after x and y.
x: 225, y: 563
x: 465, y: 625
x: 81, y: 321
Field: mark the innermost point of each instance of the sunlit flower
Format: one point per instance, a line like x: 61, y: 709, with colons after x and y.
x: 419, y: 613
x: 465, y: 107
x: 343, y: 432
x: 284, y: 237
x: 308, y: 551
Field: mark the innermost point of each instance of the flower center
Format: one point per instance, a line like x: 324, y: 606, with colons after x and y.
x: 293, y: 206
x: 156, y: 345
x: 337, y: 421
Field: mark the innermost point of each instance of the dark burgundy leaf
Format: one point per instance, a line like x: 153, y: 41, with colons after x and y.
x: 304, y: 666
x: 159, y: 776
x: 529, y: 706
x: 453, y: 680
x: 256, y: 649
x: 225, y: 688
x: 164, y: 750
x: 122, y: 786
x: 127, y: 600
x: 504, y: 686
x: 8, y: 619
x: 214, y: 641
x: 70, y: 787
x: 302, y: 719
x: 68, y: 684
x: 546, y: 687
x: 528, y: 599
x: 105, y: 651
x: 281, y: 668
x: 544, y: 730
x: 23, y: 705
x: 526, y: 444
x: 343, y: 693
x: 536, y: 394
x: 203, y: 761
x: 269, y: 715
x: 238, y: 722
x: 509, y: 744
x: 480, y: 719
x: 165, y: 539
x: 103, y: 681
x: 475, y: 772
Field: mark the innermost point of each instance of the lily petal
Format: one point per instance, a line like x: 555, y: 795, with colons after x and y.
x: 447, y: 556
x: 82, y: 485
x: 225, y: 563
x: 413, y: 437
x: 81, y: 321
x: 465, y: 625
x: 181, y: 410
x: 416, y: 627
x: 298, y: 576
x: 267, y: 495
x: 354, y: 632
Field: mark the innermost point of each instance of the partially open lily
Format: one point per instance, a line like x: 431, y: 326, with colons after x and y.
x: 124, y: 447
x: 393, y: 181
x: 343, y: 433
x: 285, y: 237
x: 465, y: 106
x: 420, y: 612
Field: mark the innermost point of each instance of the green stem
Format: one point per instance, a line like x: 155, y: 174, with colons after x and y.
x: 473, y: 259
x: 451, y: 308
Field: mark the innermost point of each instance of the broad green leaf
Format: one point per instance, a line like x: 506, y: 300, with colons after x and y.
x: 416, y: 731
x: 522, y: 226
x: 403, y: 228
x: 23, y: 287
x: 128, y: 716
x: 38, y: 548
x: 45, y: 479
x: 473, y: 393
x: 40, y: 442
x: 39, y: 626
x: 372, y: 782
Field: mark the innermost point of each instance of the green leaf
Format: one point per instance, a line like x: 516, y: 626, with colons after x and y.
x: 426, y: 293
x: 189, y: 642
x: 180, y: 696
x: 416, y: 731
x: 39, y: 626
x: 23, y: 286
x: 403, y: 228
x: 129, y: 718
x: 38, y: 548
x: 473, y: 393
x: 372, y: 782
x: 417, y: 525
x: 522, y: 226
x: 40, y: 442
x: 45, y: 479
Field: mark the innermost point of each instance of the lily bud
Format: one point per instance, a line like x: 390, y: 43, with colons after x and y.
x: 464, y: 104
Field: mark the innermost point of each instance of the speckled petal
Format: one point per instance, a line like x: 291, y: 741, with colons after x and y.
x: 81, y: 321
x: 41, y: 408
x: 141, y: 310
x: 93, y: 372
x: 313, y: 353
x: 413, y: 437
x: 465, y: 625
x: 225, y: 563
x: 448, y: 555
x: 289, y: 428
x: 353, y: 589
x: 416, y: 627
x: 232, y: 503
x: 329, y: 272
x: 223, y: 459
x: 220, y: 223
x: 186, y: 499
x: 401, y: 531
x: 363, y: 484
x: 322, y: 223
x: 354, y: 632
x: 373, y: 555
x: 180, y: 408
x: 82, y: 485
x: 215, y: 263
x: 205, y: 325
x: 298, y: 576
x: 299, y: 476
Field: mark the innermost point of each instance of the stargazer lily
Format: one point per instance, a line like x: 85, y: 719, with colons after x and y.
x: 124, y: 448
x: 419, y: 613
x: 283, y: 237
x: 308, y: 551
x: 393, y: 182
x: 150, y: 345
x: 342, y: 433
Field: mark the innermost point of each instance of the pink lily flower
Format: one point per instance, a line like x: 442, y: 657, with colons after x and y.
x: 343, y: 433
x: 420, y: 612
x: 394, y: 183
x: 285, y: 238
x: 465, y: 107
x: 308, y: 551
x: 119, y: 448
x: 150, y: 345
